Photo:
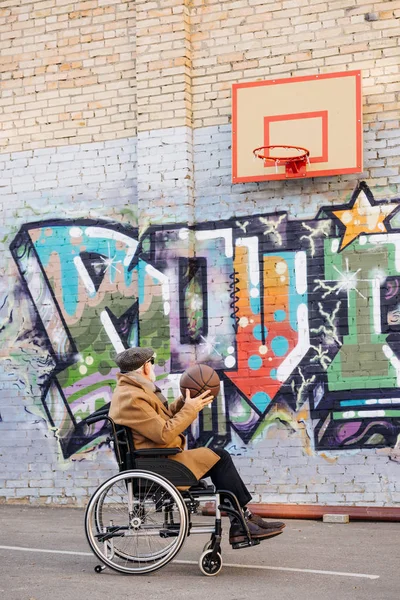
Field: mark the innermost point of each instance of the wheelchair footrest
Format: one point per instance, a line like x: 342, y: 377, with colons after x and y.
x: 110, y: 533
x: 166, y: 533
x: 245, y: 544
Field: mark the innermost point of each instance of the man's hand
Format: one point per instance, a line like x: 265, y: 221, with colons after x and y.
x: 199, y: 402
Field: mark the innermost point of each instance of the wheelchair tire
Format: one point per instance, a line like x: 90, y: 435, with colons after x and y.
x: 136, y: 522
x: 210, y: 566
x: 98, y: 519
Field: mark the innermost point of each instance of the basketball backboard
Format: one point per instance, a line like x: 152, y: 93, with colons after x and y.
x: 322, y: 113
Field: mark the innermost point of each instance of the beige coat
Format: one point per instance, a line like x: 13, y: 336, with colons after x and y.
x: 135, y: 404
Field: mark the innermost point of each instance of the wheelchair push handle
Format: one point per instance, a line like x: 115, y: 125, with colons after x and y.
x: 92, y: 420
x: 102, y: 415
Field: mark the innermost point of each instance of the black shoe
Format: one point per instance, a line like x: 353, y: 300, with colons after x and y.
x: 238, y: 535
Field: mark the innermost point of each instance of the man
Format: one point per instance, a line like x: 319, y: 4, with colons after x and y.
x: 138, y: 403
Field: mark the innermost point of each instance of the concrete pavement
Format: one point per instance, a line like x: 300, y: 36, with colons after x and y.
x: 44, y: 554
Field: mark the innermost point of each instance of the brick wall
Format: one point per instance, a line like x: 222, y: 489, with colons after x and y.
x: 68, y: 73
x: 115, y: 128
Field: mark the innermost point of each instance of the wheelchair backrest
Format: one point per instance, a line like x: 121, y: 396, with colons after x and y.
x: 124, y: 448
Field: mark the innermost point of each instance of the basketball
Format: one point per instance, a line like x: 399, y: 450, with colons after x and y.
x: 198, y: 379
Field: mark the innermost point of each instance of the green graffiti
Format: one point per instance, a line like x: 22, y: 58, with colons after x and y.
x: 358, y: 270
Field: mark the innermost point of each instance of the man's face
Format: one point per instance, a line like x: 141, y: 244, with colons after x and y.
x: 152, y: 373
x: 148, y: 370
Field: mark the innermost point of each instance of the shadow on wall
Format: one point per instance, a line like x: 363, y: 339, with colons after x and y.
x: 292, y: 314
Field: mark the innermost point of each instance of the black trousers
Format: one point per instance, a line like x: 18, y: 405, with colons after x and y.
x: 225, y: 477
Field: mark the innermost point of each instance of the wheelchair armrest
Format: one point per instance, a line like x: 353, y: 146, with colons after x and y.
x: 157, y: 452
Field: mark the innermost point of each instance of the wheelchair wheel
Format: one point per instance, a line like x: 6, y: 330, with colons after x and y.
x: 210, y: 565
x: 100, y: 527
x: 136, y: 522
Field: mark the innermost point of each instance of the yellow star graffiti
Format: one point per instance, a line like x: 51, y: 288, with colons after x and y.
x: 363, y: 217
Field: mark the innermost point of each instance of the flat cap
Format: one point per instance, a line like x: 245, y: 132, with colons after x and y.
x: 133, y: 358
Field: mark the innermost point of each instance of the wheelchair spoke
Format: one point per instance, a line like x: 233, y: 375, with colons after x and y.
x: 141, y: 516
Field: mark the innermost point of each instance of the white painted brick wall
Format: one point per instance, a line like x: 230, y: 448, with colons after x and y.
x: 365, y: 477
x: 165, y: 175
x: 103, y: 175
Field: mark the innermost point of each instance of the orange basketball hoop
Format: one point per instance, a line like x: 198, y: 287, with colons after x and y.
x: 295, y: 164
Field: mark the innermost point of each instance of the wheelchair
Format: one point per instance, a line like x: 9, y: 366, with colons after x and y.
x: 137, y: 521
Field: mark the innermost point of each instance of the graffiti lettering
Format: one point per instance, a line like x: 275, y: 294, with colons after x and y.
x: 288, y: 312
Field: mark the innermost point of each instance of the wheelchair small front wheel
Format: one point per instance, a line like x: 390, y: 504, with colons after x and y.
x: 210, y: 565
x: 99, y: 568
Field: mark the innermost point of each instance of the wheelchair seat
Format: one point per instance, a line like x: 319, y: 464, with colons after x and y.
x: 202, y: 488
x: 155, y: 460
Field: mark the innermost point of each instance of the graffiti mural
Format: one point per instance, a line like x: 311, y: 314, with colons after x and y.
x: 86, y: 284
x: 290, y: 313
